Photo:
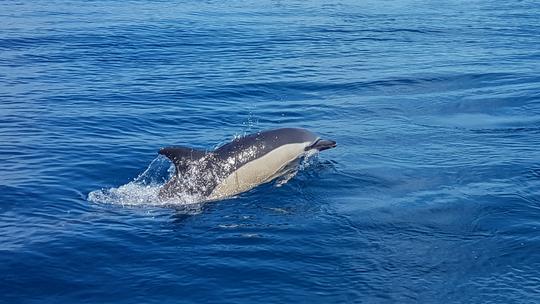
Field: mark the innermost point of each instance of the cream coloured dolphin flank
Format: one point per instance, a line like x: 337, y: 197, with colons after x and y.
x: 238, y: 166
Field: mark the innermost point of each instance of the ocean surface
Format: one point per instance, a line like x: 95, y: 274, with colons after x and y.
x: 432, y: 195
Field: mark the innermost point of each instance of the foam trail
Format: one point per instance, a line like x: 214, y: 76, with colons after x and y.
x: 144, y: 189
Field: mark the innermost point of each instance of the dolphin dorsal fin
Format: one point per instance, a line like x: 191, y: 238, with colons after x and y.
x: 182, y: 157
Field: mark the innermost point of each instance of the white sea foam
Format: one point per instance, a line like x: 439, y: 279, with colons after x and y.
x: 144, y: 189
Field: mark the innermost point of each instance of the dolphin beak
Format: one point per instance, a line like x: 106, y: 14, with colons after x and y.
x: 321, y: 145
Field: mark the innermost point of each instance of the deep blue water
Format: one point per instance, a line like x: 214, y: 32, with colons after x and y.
x: 432, y: 195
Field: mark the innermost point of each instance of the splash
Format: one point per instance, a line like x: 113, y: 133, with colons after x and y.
x: 144, y: 189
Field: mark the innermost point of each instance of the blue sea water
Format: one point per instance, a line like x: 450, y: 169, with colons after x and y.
x: 432, y: 195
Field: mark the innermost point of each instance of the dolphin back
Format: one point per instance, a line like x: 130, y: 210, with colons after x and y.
x: 261, y: 143
x: 196, y: 172
x: 182, y: 157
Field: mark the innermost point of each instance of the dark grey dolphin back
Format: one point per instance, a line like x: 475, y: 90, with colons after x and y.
x: 253, y: 146
x: 182, y: 157
x: 196, y: 172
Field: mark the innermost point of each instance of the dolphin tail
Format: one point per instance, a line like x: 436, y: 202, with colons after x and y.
x: 183, y: 157
x: 321, y: 144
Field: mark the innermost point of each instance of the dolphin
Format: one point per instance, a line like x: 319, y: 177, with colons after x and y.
x: 239, y: 165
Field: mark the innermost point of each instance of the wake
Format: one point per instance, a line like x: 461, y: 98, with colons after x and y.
x: 144, y: 189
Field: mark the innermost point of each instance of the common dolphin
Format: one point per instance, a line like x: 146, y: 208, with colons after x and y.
x: 237, y: 166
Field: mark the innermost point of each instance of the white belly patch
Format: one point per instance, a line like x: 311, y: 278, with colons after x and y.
x: 258, y: 171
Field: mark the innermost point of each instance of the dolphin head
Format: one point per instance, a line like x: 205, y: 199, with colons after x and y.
x: 321, y: 145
